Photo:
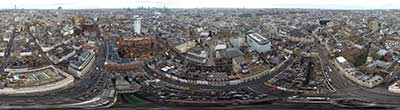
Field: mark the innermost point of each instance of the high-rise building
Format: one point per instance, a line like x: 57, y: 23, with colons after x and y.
x: 137, y: 25
x: 59, y: 10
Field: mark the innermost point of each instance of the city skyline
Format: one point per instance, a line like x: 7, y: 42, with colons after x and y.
x: 91, y: 4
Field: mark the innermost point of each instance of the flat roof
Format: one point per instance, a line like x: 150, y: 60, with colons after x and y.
x: 258, y: 38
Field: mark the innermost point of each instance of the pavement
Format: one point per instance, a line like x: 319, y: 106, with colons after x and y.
x: 280, y: 106
x: 344, y: 87
x: 40, y: 50
x: 256, y: 85
x: 338, y: 79
x: 347, y: 89
x: 72, y: 94
x: 7, y: 52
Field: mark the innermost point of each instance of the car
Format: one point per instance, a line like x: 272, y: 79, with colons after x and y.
x: 293, y: 97
x: 329, y: 69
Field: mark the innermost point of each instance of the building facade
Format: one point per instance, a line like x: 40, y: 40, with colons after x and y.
x: 197, y: 55
x: 258, y: 43
x: 137, y: 26
x: 83, y: 64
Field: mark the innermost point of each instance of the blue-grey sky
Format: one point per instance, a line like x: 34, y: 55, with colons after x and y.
x: 89, y: 4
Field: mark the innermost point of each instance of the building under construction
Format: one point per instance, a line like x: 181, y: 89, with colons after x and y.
x: 144, y: 47
x: 116, y: 63
x: 127, y: 54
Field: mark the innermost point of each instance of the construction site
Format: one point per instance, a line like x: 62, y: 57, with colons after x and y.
x: 138, y: 47
x: 131, y: 53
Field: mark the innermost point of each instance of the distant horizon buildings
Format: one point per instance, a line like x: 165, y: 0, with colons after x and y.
x: 202, y: 7
x: 308, y: 4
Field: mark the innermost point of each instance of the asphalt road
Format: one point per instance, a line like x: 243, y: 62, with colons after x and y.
x: 69, y: 95
x: 7, y: 52
x: 346, y: 88
x: 257, y: 85
x: 280, y: 106
x: 41, y: 51
x: 338, y: 80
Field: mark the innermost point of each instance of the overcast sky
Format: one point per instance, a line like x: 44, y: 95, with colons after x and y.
x: 90, y: 4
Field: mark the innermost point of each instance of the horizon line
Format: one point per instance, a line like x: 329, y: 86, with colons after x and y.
x: 304, y: 8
